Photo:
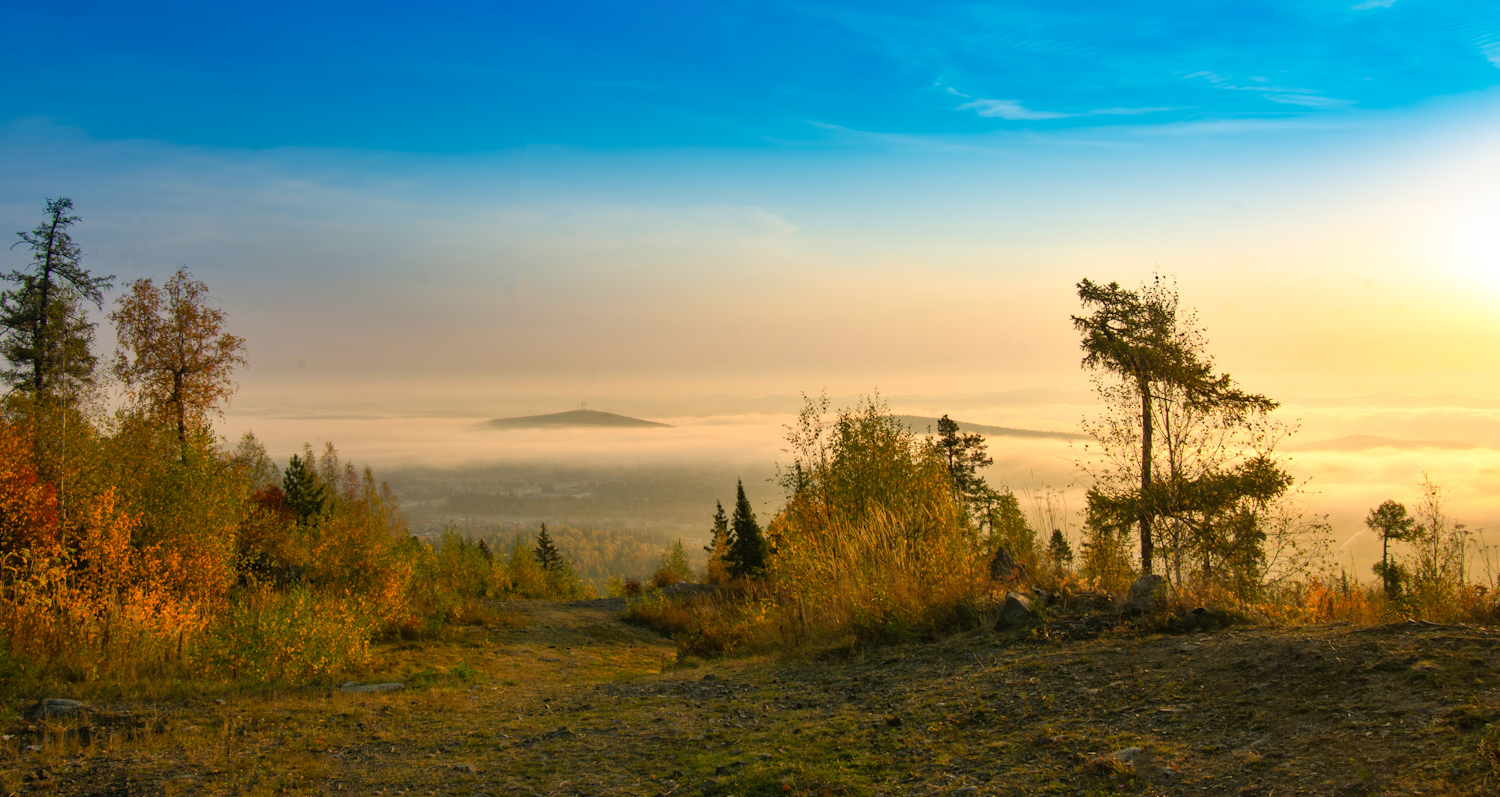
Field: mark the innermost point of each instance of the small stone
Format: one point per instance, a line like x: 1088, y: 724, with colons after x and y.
x: 386, y: 687
x: 469, y: 768
x: 894, y: 722
x: 55, y: 707
x: 1130, y: 755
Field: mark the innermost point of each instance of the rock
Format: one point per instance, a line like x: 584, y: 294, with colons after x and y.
x: 56, y: 707
x: 353, y: 686
x: 1016, y: 612
x: 1004, y: 567
x: 1137, y: 758
x: 894, y: 722
x: 469, y: 768
x: 560, y: 733
x: 1130, y: 755
x: 1195, y: 620
x: 1146, y: 592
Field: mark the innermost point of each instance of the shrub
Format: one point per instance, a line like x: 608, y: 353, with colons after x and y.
x: 289, y: 636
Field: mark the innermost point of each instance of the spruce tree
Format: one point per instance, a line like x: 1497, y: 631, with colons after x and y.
x: 721, y: 530
x: 547, y: 554
x: 1059, y: 549
x: 747, y: 546
x: 305, y: 496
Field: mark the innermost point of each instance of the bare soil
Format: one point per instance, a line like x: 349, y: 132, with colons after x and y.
x: 564, y: 699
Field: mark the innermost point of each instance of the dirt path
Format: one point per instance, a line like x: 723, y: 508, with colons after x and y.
x: 560, y: 699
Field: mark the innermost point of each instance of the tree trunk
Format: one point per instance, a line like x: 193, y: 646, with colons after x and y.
x: 1146, y: 548
x: 1385, y: 563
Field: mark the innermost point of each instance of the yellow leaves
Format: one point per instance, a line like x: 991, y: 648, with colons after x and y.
x: 174, y: 358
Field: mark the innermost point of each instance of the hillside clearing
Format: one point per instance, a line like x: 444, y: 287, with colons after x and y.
x: 554, y: 699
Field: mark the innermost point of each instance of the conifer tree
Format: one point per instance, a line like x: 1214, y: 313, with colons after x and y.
x: 547, y: 554
x: 720, y: 533
x: 1391, y: 522
x: 964, y: 454
x: 1150, y: 360
x: 305, y: 495
x: 747, y: 546
x: 1059, y: 550
x: 46, y: 336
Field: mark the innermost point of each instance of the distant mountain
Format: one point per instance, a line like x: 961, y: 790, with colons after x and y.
x: 922, y: 425
x: 1365, y: 442
x: 572, y: 419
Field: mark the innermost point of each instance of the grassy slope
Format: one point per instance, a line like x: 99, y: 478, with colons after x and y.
x: 554, y: 699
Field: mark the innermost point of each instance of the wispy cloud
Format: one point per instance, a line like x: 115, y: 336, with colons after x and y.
x: 1311, y: 101
x: 1009, y: 109
x: 1014, y: 110
x: 1129, y: 111
x: 1285, y: 95
x: 1369, y: 4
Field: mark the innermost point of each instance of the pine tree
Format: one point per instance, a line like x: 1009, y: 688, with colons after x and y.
x: 46, y: 336
x: 964, y: 455
x: 747, y: 546
x: 305, y: 495
x: 547, y: 554
x: 1391, y: 522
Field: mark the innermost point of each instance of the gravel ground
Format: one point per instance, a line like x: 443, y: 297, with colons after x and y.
x: 563, y: 699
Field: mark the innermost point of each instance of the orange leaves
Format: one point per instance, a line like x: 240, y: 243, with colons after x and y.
x: 28, y: 508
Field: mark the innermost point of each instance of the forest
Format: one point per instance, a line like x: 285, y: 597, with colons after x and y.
x: 138, y: 544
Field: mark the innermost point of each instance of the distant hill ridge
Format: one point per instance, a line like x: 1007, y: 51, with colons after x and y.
x: 923, y: 425
x: 592, y: 419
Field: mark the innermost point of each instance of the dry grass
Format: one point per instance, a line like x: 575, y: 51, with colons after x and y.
x: 550, y: 698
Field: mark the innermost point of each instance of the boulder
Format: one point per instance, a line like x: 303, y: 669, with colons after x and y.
x: 1146, y: 592
x: 1015, y: 612
x: 1004, y: 567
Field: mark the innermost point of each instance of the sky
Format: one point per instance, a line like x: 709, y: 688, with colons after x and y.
x: 423, y: 215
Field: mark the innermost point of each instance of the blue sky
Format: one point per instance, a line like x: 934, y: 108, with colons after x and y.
x: 486, y: 77
x: 569, y: 199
